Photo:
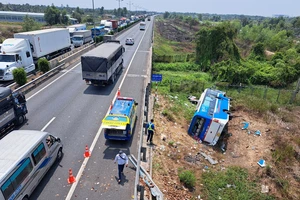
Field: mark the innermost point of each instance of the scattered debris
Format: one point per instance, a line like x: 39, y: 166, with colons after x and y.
x: 264, y: 189
x: 261, y: 163
x: 193, y: 99
x: 212, y: 161
x: 246, y: 125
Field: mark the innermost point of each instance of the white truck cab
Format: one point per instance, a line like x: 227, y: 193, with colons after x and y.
x: 15, y: 53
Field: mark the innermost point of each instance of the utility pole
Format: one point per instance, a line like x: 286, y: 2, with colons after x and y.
x: 94, y: 20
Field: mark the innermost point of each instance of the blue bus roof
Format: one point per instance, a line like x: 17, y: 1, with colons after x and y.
x: 98, y: 28
x: 122, y: 106
x: 214, y: 99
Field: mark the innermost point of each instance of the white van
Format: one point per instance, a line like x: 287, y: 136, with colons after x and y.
x: 25, y: 157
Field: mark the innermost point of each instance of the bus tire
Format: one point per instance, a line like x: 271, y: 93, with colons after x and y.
x: 59, y: 155
x: 25, y: 198
x: 20, y: 119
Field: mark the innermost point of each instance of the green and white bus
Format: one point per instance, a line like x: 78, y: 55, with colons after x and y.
x: 25, y: 157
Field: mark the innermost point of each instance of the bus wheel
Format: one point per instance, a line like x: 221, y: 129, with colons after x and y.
x: 20, y: 119
x: 59, y: 154
x: 25, y: 198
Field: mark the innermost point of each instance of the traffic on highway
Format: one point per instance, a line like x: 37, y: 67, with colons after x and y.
x: 73, y: 118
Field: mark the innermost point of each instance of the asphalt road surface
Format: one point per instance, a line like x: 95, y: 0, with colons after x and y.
x: 71, y: 110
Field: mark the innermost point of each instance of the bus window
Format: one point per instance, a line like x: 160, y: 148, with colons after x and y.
x: 38, y: 153
x: 197, y: 129
x: 16, y: 178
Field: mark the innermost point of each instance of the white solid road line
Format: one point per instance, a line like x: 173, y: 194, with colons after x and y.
x: 52, y: 82
x: 48, y: 124
x: 73, y: 187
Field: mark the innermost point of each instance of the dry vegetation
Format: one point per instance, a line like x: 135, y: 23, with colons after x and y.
x: 175, y: 149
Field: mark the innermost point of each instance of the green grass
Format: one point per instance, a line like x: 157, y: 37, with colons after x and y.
x: 232, y: 184
x: 187, y: 177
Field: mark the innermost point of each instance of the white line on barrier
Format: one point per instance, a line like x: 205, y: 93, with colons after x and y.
x: 52, y: 82
x: 48, y: 124
x: 73, y: 187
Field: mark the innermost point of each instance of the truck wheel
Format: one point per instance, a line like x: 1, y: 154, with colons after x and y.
x: 20, y: 119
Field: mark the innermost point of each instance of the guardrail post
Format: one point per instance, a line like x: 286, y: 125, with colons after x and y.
x: 141, y: 189
x: 144, y: 150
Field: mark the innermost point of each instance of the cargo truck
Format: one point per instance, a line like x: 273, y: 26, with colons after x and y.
x: 13, y: 109
x: 114, y: 24
x: 76, y: 27
x: 82, y: 37
x: 101, y: 65
x: 47, y: 43
x: 15, y: 53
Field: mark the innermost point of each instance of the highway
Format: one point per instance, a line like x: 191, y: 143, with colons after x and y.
x: 71, y: 110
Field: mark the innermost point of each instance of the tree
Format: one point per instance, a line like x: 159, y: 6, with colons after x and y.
x: 166, y: 15
x: 64, y: 17
x: 20, y: 76
x: 77, y: 16
x: 200, y: 17
x: 101, y: 11
x: 52, y: 15
x: 29, y: 24
x: 258, y: 51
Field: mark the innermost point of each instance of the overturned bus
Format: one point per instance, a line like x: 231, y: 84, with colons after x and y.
x: 211, y: 117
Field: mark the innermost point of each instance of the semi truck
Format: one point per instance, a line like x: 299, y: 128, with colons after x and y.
x: 15, y: 53
x: 76, y: 27
x: 114, y: 24
x: 47, y: 43
x: 101, y: 65
x: 13, y: 109
x: 82, y: 37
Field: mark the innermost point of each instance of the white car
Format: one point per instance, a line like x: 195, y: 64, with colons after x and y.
x: 129, y: 41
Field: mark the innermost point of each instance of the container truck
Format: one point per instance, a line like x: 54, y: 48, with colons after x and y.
x: 102, y: 22
x: 15, y: 53
x: 108, y: 26
x: 82, y: 37
x: 101, y: 65
x: 114, y: 24
x: 13, y: 109
x: 74, y: 28
x: 47, y: 43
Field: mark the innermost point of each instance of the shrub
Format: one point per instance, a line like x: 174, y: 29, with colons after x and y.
x: 20, y: 76
x: 99, y: 39
x: 43, y: 65
x: 187, y: 177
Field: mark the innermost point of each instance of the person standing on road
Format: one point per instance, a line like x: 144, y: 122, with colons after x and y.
x: 122, y: 160
x: 150, y: 128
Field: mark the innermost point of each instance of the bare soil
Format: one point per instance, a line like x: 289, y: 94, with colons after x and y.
x: 175, y: 149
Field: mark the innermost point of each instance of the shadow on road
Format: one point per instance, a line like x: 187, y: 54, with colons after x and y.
x: 39, y: 189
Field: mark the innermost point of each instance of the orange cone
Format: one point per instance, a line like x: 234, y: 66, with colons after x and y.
x: 87, y: 152
x: 118, y: 93
x: 71, y: 178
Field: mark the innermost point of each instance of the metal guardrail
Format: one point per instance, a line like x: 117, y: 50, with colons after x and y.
x: 32, y: 84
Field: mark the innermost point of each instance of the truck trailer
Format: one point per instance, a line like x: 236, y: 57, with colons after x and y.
x: 81, y: 37
x: 47, y: 43
x: 15, y: 53
x: 13, y: 109
x: 101, y: 65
